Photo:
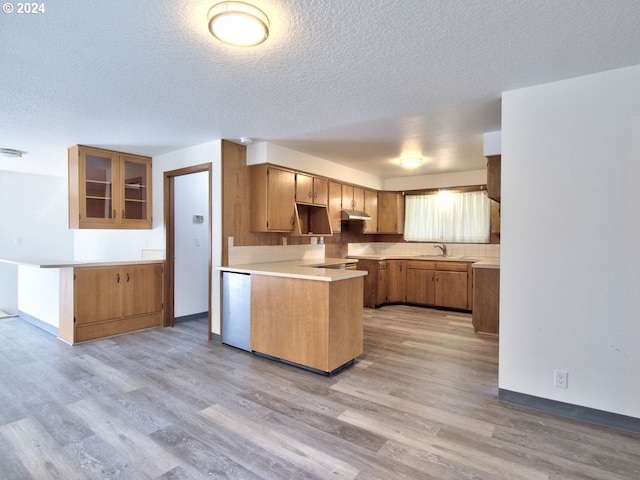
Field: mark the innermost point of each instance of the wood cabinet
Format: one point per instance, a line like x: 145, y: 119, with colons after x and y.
x: 315, y: 324
x: 108, y: 300
x: 109, y: 189
x: 390, y: 212
x: 421, y: 282
x: 273, y: 193
x: 486, y: 300
x: 352, y: 198
x: 439, y: 284
x: 371, y: 207
x: 494, y: 176
x: 313, y: 190
x: 376, y: 283
x: 494, y: 231
x: 335, y: 205
x: 397, y: 286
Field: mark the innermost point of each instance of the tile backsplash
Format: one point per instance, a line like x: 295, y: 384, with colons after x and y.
x: 273, y: 253
x: 413, y: 249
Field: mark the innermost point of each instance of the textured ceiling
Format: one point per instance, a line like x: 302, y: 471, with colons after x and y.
x: 356, y: 82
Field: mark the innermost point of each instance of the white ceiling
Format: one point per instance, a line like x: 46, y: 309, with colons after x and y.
x: 356, y: 82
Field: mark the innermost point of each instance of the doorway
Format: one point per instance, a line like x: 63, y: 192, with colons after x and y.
x: 174, y: 197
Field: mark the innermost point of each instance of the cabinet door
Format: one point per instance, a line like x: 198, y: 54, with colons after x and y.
x: 421, y: 286
x: 320, y: 191
x: 358, y: 198
x: 397, y: 281
x: 451, y: 289
x: 142, y: 289
x: 383, y: 284
x: 304, y: 188
x: 390, y: 212
x: 96, y: 174
x: 494, y: 177
x: 280, y: 200
x: 97, y: 294
x: 135, y: 191
x: 347, y: 197
x: 335, y: 205
x: 371, y: 207
x: 486, y: 300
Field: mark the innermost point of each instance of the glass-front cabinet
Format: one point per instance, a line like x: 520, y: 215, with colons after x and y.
x: 108, y: 189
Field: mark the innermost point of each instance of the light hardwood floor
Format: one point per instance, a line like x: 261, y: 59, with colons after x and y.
x: 164, y: 403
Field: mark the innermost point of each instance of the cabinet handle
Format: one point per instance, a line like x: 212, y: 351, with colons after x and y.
x: 127, y: 277
x: 310, y: 195
x: 293, y: 220
x: 118, y: 278
x: 123, y: 214
x: 114, y: 213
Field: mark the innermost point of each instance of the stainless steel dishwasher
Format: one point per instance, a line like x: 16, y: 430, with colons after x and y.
x: 236, y: 310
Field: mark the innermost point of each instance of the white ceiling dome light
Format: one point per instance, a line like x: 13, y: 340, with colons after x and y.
x: 238, y: 24
x: 411, y: 162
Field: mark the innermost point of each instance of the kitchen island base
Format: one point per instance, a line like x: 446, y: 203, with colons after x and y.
x: 310, y: 323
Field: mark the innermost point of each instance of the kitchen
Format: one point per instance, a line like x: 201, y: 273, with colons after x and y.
x: 570, y: 150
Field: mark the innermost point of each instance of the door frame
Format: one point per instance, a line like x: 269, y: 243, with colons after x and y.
x: 170, y: 257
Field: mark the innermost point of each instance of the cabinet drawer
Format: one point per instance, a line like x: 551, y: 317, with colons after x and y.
x: 452, y: 266
x: 421, y: 264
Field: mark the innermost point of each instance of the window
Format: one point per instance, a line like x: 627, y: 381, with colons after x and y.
x: 446, y: 216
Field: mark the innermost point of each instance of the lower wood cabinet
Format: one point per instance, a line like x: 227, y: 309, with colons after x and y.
x: 486, y: 300
x: 315, y: 324
x: 440, y: 284
x: 108, y: 300
x: 376, y: 283
x: 420, y: 282
x: 396, y: 292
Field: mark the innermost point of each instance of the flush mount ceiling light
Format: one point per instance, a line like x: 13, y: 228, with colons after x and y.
x: 238, y: 23
x: 10, y: 153
x: 411, y: 162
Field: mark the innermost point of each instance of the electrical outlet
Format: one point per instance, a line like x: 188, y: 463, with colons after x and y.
x: 560, y: 378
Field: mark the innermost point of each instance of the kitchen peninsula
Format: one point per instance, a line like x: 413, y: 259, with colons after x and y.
x: 307, y: 312
x: 79, y: 301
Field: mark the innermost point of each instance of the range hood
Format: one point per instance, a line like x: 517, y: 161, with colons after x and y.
x: 354, y: 215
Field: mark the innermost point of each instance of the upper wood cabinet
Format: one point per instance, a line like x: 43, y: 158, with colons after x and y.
x: 390, y: 212
x: 335, y: 205
x: 371, y: 207
x: 494, y: 177
x: 352, y: 198
x: 108, y: 189
x: 273, y: 194
x: 312, y: 189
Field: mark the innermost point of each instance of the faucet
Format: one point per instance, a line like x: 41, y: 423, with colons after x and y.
x: 442, y: 247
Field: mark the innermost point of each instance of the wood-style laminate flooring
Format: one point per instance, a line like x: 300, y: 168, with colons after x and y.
x: 165, y: 403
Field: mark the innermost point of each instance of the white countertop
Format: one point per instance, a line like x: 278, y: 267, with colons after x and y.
x: 305, y: 269
x: 477, y: 262
x: 42, y: 262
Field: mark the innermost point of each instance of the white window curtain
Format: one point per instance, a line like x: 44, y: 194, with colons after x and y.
x: 448, y: 217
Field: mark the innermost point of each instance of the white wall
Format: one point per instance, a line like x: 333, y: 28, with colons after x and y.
x: 33, y: 222
x: 264, y: 152
x: 438, y: 180
x: 570, y: 224
x: 191, y: 277
x: 210, y: 152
